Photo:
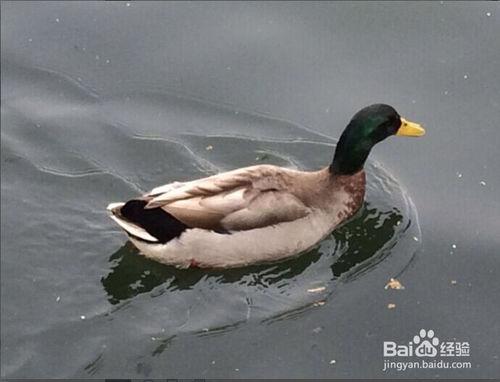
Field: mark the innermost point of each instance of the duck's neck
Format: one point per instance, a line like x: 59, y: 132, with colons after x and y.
x: 351, y: 152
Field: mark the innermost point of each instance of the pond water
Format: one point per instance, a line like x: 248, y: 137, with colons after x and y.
x: 101, y: 102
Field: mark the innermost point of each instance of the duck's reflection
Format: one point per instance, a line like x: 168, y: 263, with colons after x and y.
x: 361, y: 240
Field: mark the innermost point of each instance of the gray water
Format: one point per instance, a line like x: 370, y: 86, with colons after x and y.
x: 102, y: 101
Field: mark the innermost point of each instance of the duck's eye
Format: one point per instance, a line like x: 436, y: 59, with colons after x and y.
x: 388, y: 127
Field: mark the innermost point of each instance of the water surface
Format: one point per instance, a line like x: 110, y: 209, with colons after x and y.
x: 102, y: 101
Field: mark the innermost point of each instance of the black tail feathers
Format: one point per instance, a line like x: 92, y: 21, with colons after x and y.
x: 155, y: 221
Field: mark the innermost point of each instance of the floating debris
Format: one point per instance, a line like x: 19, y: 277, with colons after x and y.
x: 107, y: 61
x: 319, y: 303
x: 454, y: 246
x: 128, y: 4
x: 482, y: 183
x: 58, y: 298
x: 236, y: 369
x: 466, y: 76
x: 57, y: 19
x: 488, y: 14
x: 459, y: 175
x: 82, y: 317
x: 316, y: 290
x: 446, y: 92
x: 391, y: 306
x: 30, y: 40
x: 317, y: 330
x: 213, y: 362
x: 453, y: 282
x: 209, y: 147
x: 332, y: 362
x: 394, y: 284
x: 415, y: 238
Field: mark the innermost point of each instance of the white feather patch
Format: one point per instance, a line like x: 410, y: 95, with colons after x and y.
x: 134, y: 229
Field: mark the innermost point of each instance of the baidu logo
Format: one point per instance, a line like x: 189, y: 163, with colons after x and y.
x: 426, y: 350
x: 427, y: 344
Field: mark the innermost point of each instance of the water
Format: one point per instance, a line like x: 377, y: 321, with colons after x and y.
x: 93, y: 113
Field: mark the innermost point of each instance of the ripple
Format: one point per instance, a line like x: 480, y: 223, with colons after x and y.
x: 279, y: 291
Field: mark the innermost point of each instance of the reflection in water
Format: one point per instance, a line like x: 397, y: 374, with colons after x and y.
x: 363, y: 238
x: 360, y: 241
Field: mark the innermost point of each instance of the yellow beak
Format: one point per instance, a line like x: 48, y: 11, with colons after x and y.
x: 410, y: 129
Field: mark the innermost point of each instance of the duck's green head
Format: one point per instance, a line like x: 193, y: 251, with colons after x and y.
x: 368, y: 127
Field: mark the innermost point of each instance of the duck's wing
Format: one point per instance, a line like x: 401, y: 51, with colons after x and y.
x: 241, y: 199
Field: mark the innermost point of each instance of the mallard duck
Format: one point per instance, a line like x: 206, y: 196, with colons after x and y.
x: 260, y: 213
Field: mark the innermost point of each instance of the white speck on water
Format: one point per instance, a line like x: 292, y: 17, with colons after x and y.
x: 316, y: 290
x: 153, y: 338
x: 30, y: 40
x: 97, y: 57
x: 327, y: 110
x: 128, y: 4
x: 332, y: 362
x: 451, y: 252
x: 38, y: 125
x: 213, y: 362
x: 445, y: 92
x: 466, y: 76
x: 415, y: 238
x: 317, y: 330
x: 147, y: 272
x: 58, y: 298
x: 482, y: 183
x: 453, y: 282
x: 57, y: 19
x: 413, y: 101
x: 228, y: 68
x: 236, y: 112
x: 107, y: 61
x: 488, y: 14
x: 236, y: 369
x: 454, y: 246
x: 82, y: 317
x: 459, y: 175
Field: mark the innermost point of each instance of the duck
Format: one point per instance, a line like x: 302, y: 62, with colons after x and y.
x: 262, y: 213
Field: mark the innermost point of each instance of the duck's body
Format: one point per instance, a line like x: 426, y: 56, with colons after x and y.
x: 246, y: 216
x: 251, y: 215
